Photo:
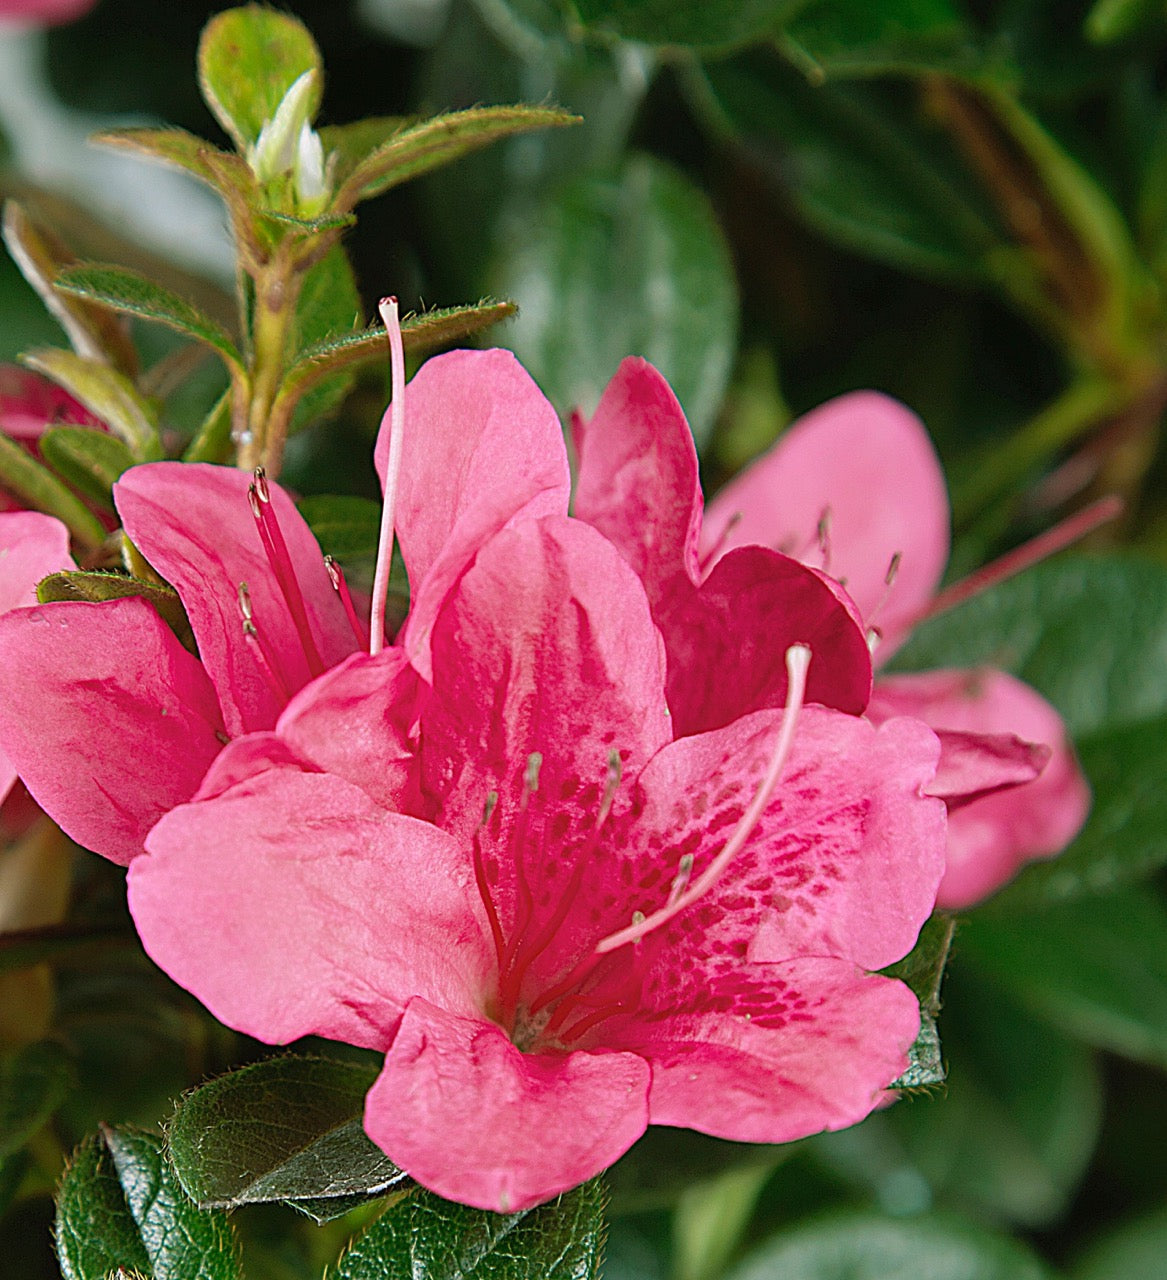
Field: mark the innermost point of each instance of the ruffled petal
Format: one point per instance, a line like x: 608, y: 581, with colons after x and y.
x: 477, y: 1121
x: 293, y: 905
x: 866, y: 462
x: 991, y: 838
x: 194, y: 524
x: 107, y: 718
x: 483, y: 448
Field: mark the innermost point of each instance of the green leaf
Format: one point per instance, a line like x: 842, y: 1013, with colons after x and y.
x: 119, y: 1205
x: 289, y: 1129
x: 923, y: 970
x: 132, y: 294
x: 1137, y: 1248
x: 346, y: 145
x: 329, y: 304
x: 33, y: 1083
x: 248, y: 59
x: 94, y: 586
x: 707, y: 25
x: 107, y: 394
x: 346, y: 527
x: 212, y: 441
x: 40, y: 490
x: 866, y: 1247
x: 174, y: 147
x: 420, y: 147
x: 23, y: 948
x: 1096, y: 968
x: 89, y: 460
x: 861, y: 164
x: 1112, y: 20
x: 427, y: 1237
x: 634, y: 264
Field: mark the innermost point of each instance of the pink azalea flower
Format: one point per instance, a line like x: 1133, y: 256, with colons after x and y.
x: 49, y: 13
x: 557, y: 922
x: 862, y: 470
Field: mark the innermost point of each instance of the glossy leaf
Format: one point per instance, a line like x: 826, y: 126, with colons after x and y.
x: 119, y: 1205
x: 634, y: 264
x: 95, y: 586
x: 40, y: 490
x: 289, y: 1129
x: 418, y: 148
x: 248, y: 59
x: 132, y: 294
x: 866, y: 1247
x: 33, y: 1082
x: 714, y: 25
x: 89, y: 460
x: 346, y: 527
x: 424, y: 1237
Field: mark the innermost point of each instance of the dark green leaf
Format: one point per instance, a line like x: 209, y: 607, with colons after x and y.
x: 22, y: 948
x: 33, y: 1082
x: 119, y: 1205
x: 89, y: 460
x: 95, y: 585
x: 289, y: 1130
x: 130, y: 293
x: 1111, y: 20
x: 1095, y: 967
x: 40, y: 490
x: 329, y: 304
x: 427, y: 1237
x: 865, y: 1247
x: 248, y: 59
x: 1137, y: 1249
x: 421, y: 147
x: 630, y: 265
x: 923, y: 970
x: 346, y: 527
x: 212, y: 441
x: 714, y: 25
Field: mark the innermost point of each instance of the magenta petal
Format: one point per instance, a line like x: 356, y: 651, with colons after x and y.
x: 727, y: 640
x: 483, y: 447
x: 991, y: 838
x: 107, y: 718
x: 194, y: 524
x: 293, y: 905
x: 867, y: 461
x: 638, y: 480
x: 477, y: 1121
x: 795, y: 1048
x: 244, y: 759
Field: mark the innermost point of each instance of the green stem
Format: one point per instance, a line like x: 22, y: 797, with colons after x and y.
x: 277, y: 287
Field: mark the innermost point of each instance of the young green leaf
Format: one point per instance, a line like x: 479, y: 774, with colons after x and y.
x: 248, y: 59
x: 33, y: 1083
x: 126, y: 291
x: 174, y: 147
x: 424, y: 1236
x: 119, y: 1205
x: 40, y: 490
x: 94, y: 586
x: 89, y: 460
x: 347, y: 145
x: 289, y: 1130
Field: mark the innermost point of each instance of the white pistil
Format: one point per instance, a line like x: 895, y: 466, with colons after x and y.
x: 797, y: 664
x: 388, y: 309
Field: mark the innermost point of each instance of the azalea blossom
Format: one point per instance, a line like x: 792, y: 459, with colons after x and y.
x: 44, y: 12
x: 855, y: 489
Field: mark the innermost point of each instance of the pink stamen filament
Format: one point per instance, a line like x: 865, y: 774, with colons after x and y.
x: 264, y: 660
x: 719, y: 543
x: 797, y: 664
x: 1029, y: 553
x: 484, y: 886
x: 388, y: 309
x: 340, y: 586
x: 281, y: 562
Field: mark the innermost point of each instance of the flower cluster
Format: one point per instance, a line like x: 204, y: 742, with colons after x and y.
x: 603, y: 838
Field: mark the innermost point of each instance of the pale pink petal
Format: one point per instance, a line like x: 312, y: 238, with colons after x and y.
x: 475, y: 1120
x: 727, y: 639
x: 775, y: 1052
x: 974, y: 765
x: 358, y: 722
x: 483, y: 447
x: 108, y: 719
x: 637, y: 480
x: 194, y: 524
x: 293, y: 905
x: 866, y: 462
x: 991, y: 838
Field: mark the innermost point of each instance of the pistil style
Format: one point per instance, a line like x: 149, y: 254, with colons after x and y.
x: 388, y: 309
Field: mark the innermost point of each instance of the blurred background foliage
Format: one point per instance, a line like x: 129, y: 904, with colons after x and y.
x: 776, y: 201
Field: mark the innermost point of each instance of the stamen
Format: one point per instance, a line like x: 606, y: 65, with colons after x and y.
x: 823, y: 533
x: 681, y: 879
x: 259, y: 651
x: 340, y: 586
x: 388, y: 309
x: 719, y: 543
x: 259, y: 496
x: 531, y: 774
x: 874, y: 635
x: 797, y: 664
x: 481, y: 881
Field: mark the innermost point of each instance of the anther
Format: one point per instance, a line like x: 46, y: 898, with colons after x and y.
x: 340, y: 586
x: 823, y: 534
x: 531, y: 773
x: 388, y: 310
x: 719, y: 542
x: 681, y: 879
x: 257, y: 648
x: 489, y: 807
x: 611, y: 785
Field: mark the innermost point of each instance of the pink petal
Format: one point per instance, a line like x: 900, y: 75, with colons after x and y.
x: 974, y: 765
x: 483, y: 448
x: 776, y: 1052
x: 727, y: 640
x: 867, y: 461
x: 357, y: 722
x: 242, y: 761
x: 109, y: 720
x: 194, y: 524
x: 477, y: 1121
x: 293, y: 905
x: 991, y: 838
x: 637, y: 480
x: 30, y: 403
